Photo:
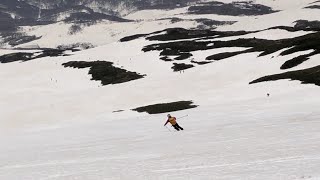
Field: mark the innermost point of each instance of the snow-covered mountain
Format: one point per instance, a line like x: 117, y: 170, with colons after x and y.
x: 49, y: 10
x: 29, y: 24
x: 85, y: 95
x: 18, y: 17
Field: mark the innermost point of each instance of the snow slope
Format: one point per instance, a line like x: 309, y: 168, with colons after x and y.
x: 98, y: 34
x: 57, y: 124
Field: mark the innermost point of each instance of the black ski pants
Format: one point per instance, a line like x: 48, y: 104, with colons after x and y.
x: 177, y: 127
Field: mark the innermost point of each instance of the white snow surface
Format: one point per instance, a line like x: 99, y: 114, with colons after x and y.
x: 57, y: 124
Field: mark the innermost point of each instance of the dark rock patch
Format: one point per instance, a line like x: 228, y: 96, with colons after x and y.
x: 82, y: 64
x: 170, y: 52
x: 133, y: 37
x: 204, y: 23
x: 313, y: 7
x: 15, y: 41
x: 201, y: 62
x: 224, y: 55
x: 181, y: 33
x: 287, y: 28
x: 162, y: 4
x: 231, y: 9
x: 181, y: 66
x: 177, y: 48
x: 183, y: 56
x: 175, y: 20
x: 315, y: 2
x: 137, y: 36
x: 105, y: 72
x: 211, y: 24
x: 303, y: 43
x: 307, y: 25
x: 83, y: 17
x: 306, y: 76
x: 117, y: 111
x: 15, y: 38
x: 298, y: 60
x: 166, y: 107
x: 301, y: 25
x: 76, y: 46
x: 7, y: 58
x: 183, y: 47
x: 165, y: 58
x: 20, y: 56
x: 51, y: 53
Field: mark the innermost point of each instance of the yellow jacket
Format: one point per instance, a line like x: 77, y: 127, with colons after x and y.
x: 172, y: 121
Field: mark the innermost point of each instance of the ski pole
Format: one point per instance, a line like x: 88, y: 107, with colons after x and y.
x: 182, y: 117
x: 168, y: 129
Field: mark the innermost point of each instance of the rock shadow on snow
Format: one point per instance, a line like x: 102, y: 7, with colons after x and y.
x: 189, y: 44
x: 166, y: 107
x: 22, y: 56
x: 313, y: 7
x: 306, y: 76
x: 105, y: 72
x: 181, y: 66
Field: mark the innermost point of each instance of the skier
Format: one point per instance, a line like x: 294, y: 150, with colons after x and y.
x: 173, y: 122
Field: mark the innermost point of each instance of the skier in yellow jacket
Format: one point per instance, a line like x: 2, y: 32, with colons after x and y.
x: 173, y: 122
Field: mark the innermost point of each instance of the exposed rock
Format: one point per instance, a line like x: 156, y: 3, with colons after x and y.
x: 181, y: 66
x: 306, y: 76
x: 231, y: 9
x: 166, y: 107
x: 105, y: 72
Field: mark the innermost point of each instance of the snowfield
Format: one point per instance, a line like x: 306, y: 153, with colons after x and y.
x: 57, y: 124
x: 102, y: 33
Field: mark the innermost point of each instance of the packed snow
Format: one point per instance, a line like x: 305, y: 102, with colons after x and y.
x: 55, y: 123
